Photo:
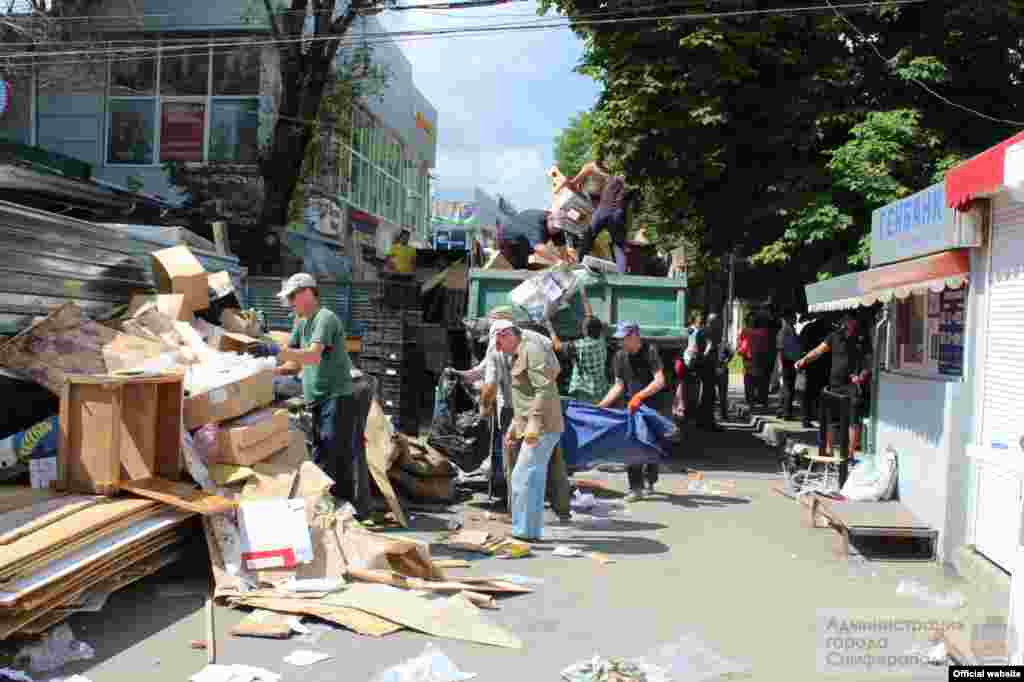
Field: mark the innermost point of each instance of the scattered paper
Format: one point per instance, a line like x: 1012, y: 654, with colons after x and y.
x: 305, y: 657
x: 313, y: 585
x: 234, y: 673
x: 430, y: 666
x: 601, y: 558
x: 515, y: 579
x: 567, y: 551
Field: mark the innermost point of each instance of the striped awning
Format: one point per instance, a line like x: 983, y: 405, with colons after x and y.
x: 946, y: 270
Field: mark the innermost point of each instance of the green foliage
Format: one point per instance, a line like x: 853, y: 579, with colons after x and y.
x: 573, y: 145
x: 778, y: 135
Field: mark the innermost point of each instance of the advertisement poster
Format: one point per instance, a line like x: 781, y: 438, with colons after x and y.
x: 951, y: 332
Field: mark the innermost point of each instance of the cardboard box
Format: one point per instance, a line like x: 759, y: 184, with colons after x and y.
x: 228, y: 342
x: 220, y: 284
x: 253, y: 438
x: 179, y: 272
x: 171, y: 305
x: 235, y: 321
x: 234, y: 400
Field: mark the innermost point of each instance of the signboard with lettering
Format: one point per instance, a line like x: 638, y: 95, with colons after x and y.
x: 951, y: 332
x: 919, y: 225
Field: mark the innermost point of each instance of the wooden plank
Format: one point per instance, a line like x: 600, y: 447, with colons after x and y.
x: 138, y: 435
x: 14, y: 497
x: 67, y: 529
x: 91, y: 457
x: 119, y: 543
x: 170, y: 416
x: 871, y: 514
x: 179, y: 495
x: 63, y: 594
x: 18, y: 523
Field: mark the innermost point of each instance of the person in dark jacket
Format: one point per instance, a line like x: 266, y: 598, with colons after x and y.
x: 813, y: 334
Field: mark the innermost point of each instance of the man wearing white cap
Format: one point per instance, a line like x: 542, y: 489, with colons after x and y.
x: 317, y: 348
x: 496, y: 371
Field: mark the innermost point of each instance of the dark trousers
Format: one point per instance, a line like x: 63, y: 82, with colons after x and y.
x: 336, y: 452
x: 788, y: 387
x: 638, y: 473
x: 612, y: 220
x: 722, y: 384
x: 765, y: 363
x: 812, y: 397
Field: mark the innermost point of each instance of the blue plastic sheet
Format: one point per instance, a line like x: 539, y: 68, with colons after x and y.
x: 594, y: 435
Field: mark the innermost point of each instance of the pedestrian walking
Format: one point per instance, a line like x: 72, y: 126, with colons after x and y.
x: 694, y: 362
x: 639, y: 378
x: 710, y: 391
x: 788, y: 347
x: 536, y: 423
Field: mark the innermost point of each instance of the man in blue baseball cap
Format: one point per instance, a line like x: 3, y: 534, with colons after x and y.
x: 639, y: 379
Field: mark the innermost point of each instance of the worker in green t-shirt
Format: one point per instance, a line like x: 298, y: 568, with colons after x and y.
x: 317, y: 349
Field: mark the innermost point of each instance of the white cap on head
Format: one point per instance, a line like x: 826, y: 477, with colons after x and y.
x: 499, y: 326
x: 295, y: 283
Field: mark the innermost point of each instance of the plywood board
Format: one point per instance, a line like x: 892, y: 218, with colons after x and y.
x: 379, y: 458
x: 104, y: 547
x: 452, y: 618
x: 17, y: 497
x: 179, y: 495
x: 61, y: 532
x: 18, y: 523
x: 871, y: 514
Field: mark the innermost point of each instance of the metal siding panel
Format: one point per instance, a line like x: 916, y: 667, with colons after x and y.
x: 1003, y: 419
x: 52, y: 260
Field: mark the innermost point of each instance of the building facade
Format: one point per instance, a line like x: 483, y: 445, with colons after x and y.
x: 192, y: 101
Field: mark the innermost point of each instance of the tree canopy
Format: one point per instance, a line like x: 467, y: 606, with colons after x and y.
x: 574, y: 144
x: 777, y: 133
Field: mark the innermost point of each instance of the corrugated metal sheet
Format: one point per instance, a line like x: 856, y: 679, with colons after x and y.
x: 50, y: 260
x: 261, y: 293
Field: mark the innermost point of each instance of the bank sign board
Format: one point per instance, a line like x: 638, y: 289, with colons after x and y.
x: 919, y: 225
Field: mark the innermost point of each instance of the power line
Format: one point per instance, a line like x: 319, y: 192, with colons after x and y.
x: 924, y: 86
x: 393, y: 36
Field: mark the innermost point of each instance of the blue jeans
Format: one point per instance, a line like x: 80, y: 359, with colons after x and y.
x: 336, y: 451
x: 527, y: 486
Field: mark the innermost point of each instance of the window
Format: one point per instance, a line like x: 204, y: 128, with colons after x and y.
x: 927, y: 333
x: 181, y: 131
x: 132, y: 128
x: 234, y: 130
x: 187, y: 104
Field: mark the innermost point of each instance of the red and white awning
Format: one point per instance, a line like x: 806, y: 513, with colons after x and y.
x: 988, y: 173
x: 946, y: 270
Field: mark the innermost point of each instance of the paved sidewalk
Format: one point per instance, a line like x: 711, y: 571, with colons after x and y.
x: 744, y: 573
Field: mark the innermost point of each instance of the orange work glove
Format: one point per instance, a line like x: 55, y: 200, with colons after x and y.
x: 634, y: 404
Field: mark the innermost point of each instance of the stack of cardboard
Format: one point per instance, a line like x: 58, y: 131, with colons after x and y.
x: 310, y: 558
x: 57, y: 549
x: 421, y: 472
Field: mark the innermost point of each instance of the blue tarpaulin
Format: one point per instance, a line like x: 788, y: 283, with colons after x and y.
x: 594, y: 435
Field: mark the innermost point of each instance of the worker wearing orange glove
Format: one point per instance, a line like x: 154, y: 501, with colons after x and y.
x: 639, y: 380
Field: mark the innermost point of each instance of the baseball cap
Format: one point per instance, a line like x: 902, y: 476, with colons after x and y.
x: 499, y: 326
x: 624, y: 329
x: 295, y: 283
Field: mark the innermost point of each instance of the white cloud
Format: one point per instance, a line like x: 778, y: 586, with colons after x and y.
x: 501, y: 97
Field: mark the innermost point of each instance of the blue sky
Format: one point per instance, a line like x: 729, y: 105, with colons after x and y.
x: 500, y: 98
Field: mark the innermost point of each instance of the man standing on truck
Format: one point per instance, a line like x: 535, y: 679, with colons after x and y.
x: 402, y: 257
x: 531, y: 232
x: 608, y: 192
x: 317, y: 348
x: 639, y: 379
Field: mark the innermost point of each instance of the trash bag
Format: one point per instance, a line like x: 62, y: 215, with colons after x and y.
x: 462, y: 437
